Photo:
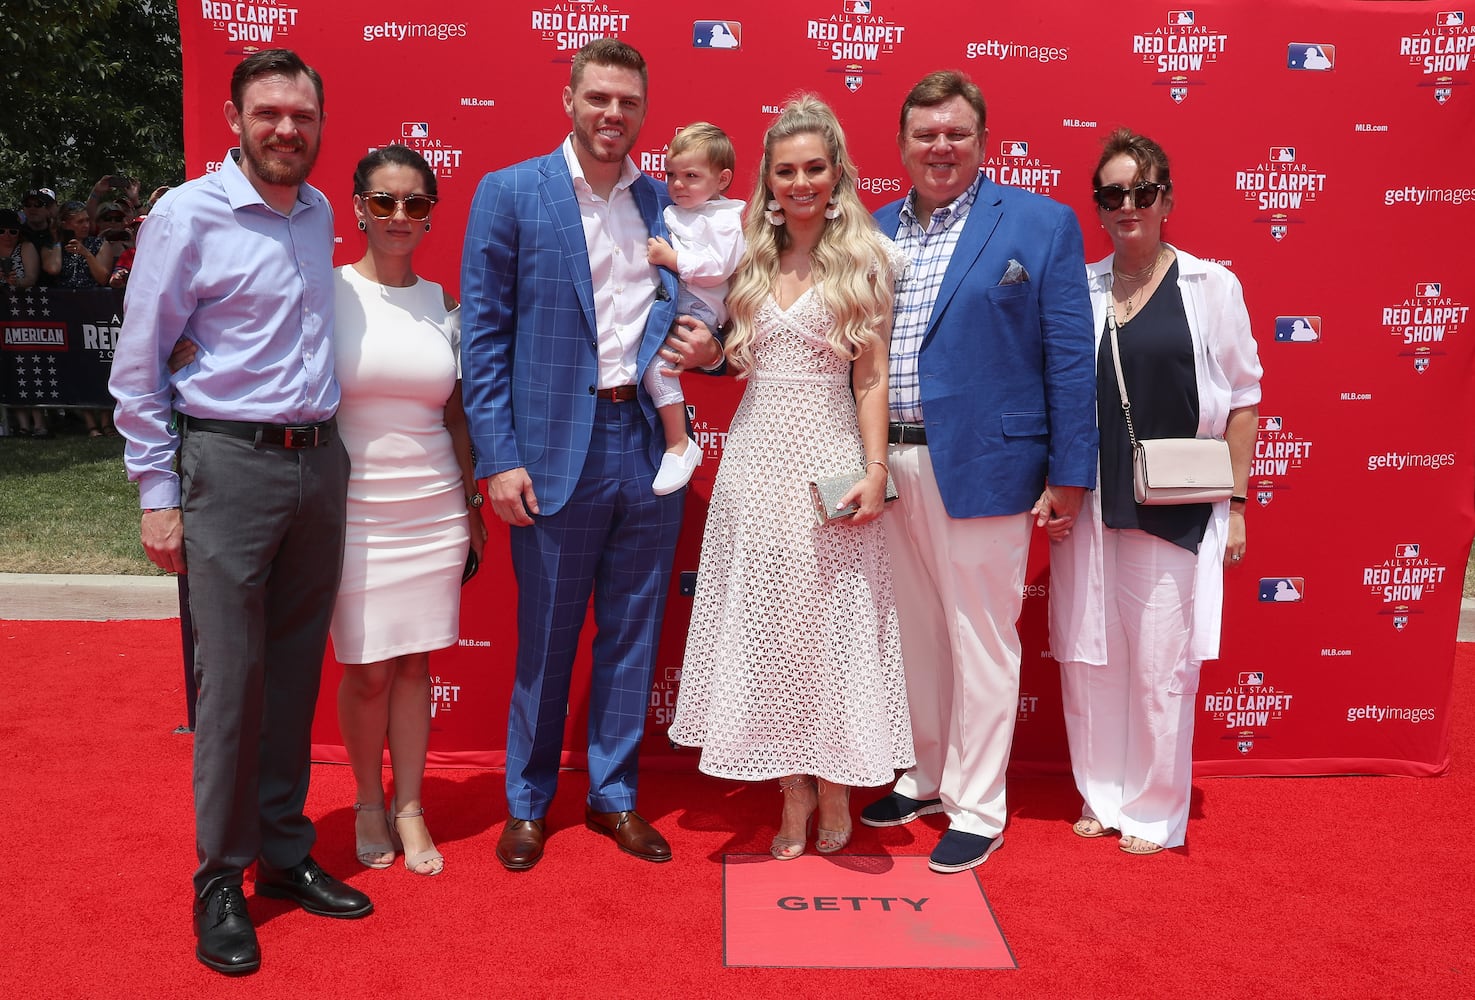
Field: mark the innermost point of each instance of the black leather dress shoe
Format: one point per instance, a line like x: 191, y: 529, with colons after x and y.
x: 521, y: 844
x: 227, y: 940
x: 632, y: 833
x: 313, y: 889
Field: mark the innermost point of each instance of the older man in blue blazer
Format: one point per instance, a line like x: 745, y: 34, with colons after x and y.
x: 993, y: 412
x: 562, y: 314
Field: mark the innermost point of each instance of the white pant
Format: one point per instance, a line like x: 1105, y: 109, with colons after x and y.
x: 664, y: 389
x: 959, y: 587
x: 1130, y: 722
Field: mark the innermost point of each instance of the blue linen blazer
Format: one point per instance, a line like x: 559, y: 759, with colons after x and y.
x: 529, y: 358
x: 1007, y: 373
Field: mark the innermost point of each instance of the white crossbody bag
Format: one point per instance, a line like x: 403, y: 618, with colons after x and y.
x: 1168, y: 471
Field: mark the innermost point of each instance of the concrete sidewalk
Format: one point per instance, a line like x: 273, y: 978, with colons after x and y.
x: 82, y: 598
x: 34, y: 597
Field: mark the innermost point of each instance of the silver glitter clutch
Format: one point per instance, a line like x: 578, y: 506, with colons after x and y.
x: 826, y: 493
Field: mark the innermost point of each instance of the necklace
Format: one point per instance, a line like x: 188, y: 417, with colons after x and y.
x: 1146, y: 272
x: 1143, y: 276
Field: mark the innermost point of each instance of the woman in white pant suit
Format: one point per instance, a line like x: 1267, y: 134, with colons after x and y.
x: 1136, y: 592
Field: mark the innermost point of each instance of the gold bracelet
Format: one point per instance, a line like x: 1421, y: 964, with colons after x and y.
x: 881, y: 464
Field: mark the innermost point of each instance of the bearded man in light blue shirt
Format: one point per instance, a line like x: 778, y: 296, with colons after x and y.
x: 239, y: 262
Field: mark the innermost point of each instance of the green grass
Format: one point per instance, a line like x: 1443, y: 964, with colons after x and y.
x: 67, y: 507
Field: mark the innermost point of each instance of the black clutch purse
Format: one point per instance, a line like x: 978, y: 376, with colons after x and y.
x: 472, y: 565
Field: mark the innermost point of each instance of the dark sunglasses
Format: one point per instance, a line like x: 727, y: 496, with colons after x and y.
x: 8, y: 231
x: 1112, y: 196
x: 110, y: 217
x: 381, y: 205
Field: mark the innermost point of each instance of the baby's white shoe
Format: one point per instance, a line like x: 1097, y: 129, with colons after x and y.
x: 675, y: 471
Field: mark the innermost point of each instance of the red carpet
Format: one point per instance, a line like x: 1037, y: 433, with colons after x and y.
x: 1310, y: 887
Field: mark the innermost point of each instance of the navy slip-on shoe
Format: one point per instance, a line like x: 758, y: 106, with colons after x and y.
x: 958, y: 851
x: 897, y: 809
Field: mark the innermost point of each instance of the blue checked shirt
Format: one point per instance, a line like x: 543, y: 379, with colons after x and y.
x: 929, y: 250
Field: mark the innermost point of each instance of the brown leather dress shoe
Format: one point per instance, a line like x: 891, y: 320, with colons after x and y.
x: 521, y: 844
x: 633, y: 834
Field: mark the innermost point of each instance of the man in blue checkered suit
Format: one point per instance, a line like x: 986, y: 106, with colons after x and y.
x: 562, y: 313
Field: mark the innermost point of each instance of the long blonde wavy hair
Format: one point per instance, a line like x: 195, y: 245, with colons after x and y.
x: 852, y: 271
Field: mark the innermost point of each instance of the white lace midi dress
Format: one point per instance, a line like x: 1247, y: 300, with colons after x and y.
x: 397, y: 359
x: 793, y: 658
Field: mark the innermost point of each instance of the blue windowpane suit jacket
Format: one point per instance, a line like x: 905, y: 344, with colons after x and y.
x: 528, y: 345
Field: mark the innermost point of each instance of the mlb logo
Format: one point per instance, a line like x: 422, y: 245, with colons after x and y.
x: 857, y: 6
x: 1278, y: 232
x: 1283, y: 154
x: 1251, y: 678
x: 1178, y: 94
x: 1282, y: 589
x: 1263, y: 497
x: 1421, y: 365
x: 1408, y: 550
x: 854, y: 77
x: 1245, y: 745
x: 1428, y: 289
x: 414, y: 130
x: 716, y: 35
x: 673, y: 675
x: 1311, y: 56
x: 1400, y: 622
x: 691, y: 412
x: 1442, y: 94
x: 1013, y: 147
x: 1180, y: 17
x: 1297, y: 329
x: 1270, y: 423
x: 1450, y: 19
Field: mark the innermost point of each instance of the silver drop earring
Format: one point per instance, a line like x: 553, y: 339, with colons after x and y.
x: 775, y: 213
x: 363, y: 225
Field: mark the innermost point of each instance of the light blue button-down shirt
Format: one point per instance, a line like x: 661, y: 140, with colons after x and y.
x: 253, y: 289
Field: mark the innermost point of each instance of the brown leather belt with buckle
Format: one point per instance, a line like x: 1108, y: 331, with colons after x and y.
x: 279, y: 435
x: 906, y: 434
x: 618, y: 394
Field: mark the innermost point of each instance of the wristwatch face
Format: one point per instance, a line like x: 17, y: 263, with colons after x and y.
x: 475, y: 500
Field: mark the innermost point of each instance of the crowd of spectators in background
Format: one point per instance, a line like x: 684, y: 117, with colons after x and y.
x: 49, y: 243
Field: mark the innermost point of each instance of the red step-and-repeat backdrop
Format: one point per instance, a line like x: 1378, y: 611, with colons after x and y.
x: 1321, y: 150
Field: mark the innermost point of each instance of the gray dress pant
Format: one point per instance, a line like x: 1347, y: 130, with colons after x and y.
x: 263, y: 542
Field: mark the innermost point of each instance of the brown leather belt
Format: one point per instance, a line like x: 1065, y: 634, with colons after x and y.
x: 619, y: 393
x: 280, y: 435
x: 906, y: 434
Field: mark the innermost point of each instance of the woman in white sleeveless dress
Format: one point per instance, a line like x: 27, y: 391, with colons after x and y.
x: 413, y: 505
x: 793, y: 659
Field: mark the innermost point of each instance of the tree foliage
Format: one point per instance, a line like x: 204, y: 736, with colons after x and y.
x: 90, y: 87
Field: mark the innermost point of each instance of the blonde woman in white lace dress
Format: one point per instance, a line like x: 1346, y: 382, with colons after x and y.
x: 793, y: 660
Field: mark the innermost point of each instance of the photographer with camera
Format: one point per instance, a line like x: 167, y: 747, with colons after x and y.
x: 114, y: 189
x: 81, y: 260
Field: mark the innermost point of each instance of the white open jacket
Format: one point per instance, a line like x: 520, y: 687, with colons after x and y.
x: 1227, y: 370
